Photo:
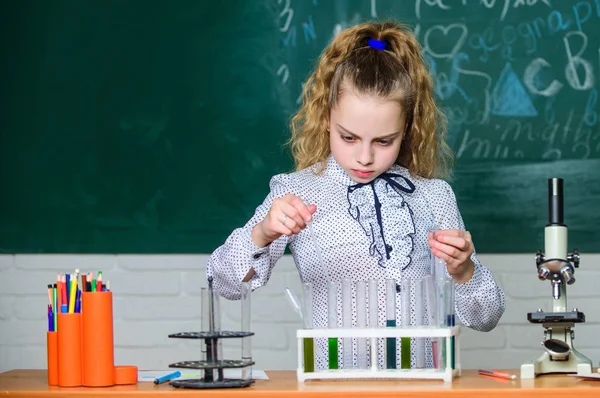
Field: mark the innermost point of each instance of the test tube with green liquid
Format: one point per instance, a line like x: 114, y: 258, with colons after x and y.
x: 390, y: 311
x: 307, y: 316
x: 332, y: 315
x: 405, y: 313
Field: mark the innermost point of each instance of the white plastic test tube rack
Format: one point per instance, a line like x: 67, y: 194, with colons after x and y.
x: 446, y: 373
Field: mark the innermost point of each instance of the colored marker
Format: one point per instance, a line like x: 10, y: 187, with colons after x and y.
x: 72, y: 295
x: 67, y: 287
x: 493, y: 373
x: 55, y: 300
x: 50, y: 319
x: 168, y: 377
x: 78, y: 302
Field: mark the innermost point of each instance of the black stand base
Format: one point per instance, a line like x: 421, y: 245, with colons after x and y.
x: 201, y: 384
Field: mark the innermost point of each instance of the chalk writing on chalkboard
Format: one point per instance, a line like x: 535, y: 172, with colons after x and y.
x: 157, y: 129
x: 516, y: 79
x: 502, y: 68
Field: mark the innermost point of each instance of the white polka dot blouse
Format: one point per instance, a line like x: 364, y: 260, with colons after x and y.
x: 364, y: 231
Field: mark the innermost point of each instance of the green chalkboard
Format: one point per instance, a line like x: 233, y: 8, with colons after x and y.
x: 155, y: 126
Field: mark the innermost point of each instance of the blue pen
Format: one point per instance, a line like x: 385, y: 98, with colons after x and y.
x: 168, y: 377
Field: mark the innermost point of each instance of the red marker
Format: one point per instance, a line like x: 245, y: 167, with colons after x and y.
x: 493, y: 373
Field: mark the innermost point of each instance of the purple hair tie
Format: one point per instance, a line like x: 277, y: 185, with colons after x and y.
x: 377, y: 44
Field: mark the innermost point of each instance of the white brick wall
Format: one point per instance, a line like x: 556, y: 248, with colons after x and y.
x: 158, y: 295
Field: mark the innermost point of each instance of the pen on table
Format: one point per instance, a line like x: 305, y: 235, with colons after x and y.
x: 493, y: 373
x: 168, y: 377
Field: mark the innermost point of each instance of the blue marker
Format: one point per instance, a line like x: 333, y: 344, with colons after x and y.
x: 168, y: 377
x: 50, y: 321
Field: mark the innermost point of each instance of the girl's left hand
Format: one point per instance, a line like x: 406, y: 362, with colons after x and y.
x: 455, y: 247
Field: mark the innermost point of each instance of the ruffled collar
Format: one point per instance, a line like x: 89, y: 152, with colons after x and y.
x: 368, y: 204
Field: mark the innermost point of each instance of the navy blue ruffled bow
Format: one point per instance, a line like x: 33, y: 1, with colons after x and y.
x: 389, y: 178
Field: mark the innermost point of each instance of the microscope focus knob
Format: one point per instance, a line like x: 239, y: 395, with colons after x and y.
x: 574, y: 258
x: 539, y: 258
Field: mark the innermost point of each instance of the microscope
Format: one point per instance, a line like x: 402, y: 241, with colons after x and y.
x: 558, y: 267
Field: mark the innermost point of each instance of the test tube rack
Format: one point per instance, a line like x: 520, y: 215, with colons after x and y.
x: 211, y: 364
x: 445, y: 372
x: 210, y: 380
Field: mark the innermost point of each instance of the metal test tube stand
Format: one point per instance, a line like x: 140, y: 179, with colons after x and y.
x: 212, y: 362
x: 556, y: 265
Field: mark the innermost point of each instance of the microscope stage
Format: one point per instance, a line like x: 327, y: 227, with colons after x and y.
x: 549, y: 317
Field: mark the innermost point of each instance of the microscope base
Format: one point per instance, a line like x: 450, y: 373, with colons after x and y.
x: 577, y: 363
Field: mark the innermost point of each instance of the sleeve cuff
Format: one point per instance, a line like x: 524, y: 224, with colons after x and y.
x: 258, y: 258
x: 473, y: 285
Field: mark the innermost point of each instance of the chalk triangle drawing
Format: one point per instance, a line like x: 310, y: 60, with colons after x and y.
x: 509, y: 97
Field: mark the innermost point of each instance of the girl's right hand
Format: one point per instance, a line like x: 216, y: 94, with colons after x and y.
x: 287, y: 216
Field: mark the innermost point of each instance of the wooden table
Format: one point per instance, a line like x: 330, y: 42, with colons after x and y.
x: 33, y: 383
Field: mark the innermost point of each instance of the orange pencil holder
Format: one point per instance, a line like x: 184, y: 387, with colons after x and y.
x: 52, y: 348
x: 97, y: 336
x: 68, y: 350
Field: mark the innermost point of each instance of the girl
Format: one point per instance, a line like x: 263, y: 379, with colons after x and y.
x: 368, y: 143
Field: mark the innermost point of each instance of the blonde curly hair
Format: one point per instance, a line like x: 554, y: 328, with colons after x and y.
x: 397, y: 73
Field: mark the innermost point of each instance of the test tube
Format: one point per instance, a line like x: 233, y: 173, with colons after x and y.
x: 361, y: 322
x: 373, y: 304
x: 309, y: 342
x: 332, y: 323
x: 450, y: 318
x: 214, y: 326
x: 430, y: 299
x: 440, y: 281
x: 347, y: 323
x: 373, y: 320
x: 431, y: 318
x: 216, y: 300
x: 204, y: 315
x: 439, y: 271
x: 419, y: 321
x: 246, y: 327
x: 390, y: 311
x: 405, y: 318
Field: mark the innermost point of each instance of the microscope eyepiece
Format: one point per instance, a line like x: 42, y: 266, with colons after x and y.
x: 555, y: 202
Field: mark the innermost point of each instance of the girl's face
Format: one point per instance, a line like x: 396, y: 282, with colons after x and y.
x: 365, y: 134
